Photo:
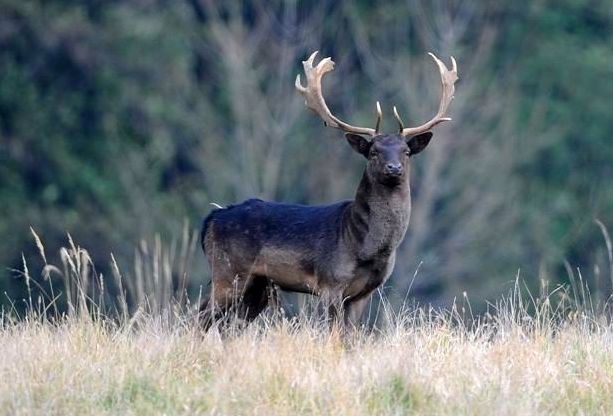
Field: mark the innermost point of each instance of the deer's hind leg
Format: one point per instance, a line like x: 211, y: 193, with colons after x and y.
x: 226, y: 290
x: 255, y: 298
x: 240, y: 299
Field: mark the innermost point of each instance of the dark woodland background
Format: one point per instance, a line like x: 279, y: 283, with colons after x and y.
x: 123, y: 120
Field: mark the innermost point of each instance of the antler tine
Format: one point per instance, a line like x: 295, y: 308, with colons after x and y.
x: 314, y: 99
x: 399, y: 120
x: 448, y: 79
x: 379, y: 117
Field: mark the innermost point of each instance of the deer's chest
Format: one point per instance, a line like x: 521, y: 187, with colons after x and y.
x: 385, y: 233
x: 369, y: 275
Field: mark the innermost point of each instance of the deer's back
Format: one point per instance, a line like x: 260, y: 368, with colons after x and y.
x: 275, y: 223
x: 274, y: 239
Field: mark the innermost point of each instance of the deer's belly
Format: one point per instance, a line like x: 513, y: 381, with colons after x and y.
x: 286, y: 268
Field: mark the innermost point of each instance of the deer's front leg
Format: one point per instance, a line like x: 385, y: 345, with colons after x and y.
x: 332, y: 302
x: 354, y: 311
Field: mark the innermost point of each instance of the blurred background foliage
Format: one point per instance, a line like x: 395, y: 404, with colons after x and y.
x: 123, y: 119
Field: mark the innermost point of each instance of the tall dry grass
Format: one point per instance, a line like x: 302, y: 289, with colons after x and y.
x: 549, y: 354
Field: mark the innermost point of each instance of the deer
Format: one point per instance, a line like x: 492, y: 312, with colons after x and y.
x: 341, y: 252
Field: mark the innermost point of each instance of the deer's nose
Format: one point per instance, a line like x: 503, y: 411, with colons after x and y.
x: 393, y: 169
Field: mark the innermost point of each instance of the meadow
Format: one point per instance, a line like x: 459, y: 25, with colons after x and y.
x: 545, y: 354
x: 123, y: 119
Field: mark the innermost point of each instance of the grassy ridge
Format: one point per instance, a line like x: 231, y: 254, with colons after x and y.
x: 551, y: 354
x: 423, y: 366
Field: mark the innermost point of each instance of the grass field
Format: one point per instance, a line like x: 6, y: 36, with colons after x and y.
x: 426, y: 363
x: 522, y: 358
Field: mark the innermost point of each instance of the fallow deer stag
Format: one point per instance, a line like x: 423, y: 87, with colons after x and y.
x: 341, y: 252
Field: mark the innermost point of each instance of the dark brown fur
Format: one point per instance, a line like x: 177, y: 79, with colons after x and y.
x: 340, y: 252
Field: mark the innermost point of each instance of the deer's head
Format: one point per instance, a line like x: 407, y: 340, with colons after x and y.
x: 388, y: 154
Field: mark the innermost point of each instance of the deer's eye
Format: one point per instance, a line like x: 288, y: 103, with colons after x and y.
x: 407, y: 152
x: 374, y: 155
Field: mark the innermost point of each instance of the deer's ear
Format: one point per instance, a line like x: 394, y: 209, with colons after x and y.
x: 418, y: 143
x: 358, y: 143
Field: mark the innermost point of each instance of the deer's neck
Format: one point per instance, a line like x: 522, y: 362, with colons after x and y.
x: 377, y: 220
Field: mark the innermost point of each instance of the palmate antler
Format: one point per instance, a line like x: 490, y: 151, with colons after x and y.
x: 314, y: 99
x: 448, y: 79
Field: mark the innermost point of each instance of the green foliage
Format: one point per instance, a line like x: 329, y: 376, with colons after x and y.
x: 122, y: 119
